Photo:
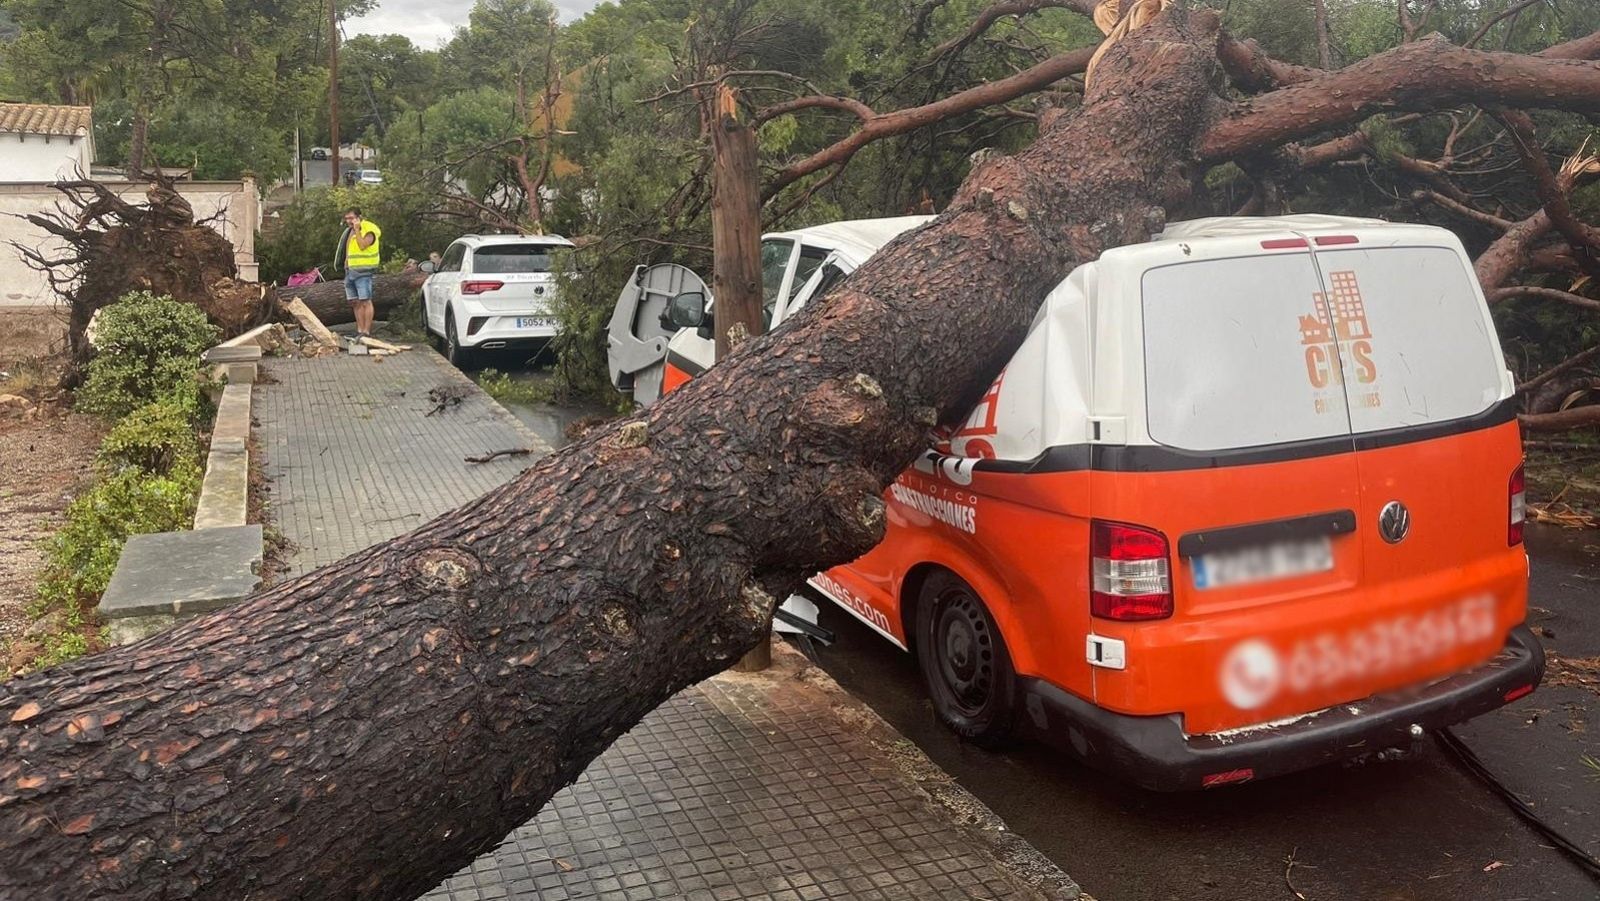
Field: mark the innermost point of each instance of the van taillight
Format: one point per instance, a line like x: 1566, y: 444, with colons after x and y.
x: 1132, y: 579
x: 1519, y: 506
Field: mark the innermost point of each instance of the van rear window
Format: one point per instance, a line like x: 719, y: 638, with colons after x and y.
x: 1271, y: 349
x: 499, y: 259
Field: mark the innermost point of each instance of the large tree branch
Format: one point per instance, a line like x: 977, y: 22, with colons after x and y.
x: 1552, y: 194
x: 1000, y: 10
x: 1509, y: 252
x: 1566, y: 297
x: 1426, y: 74
x: 1509, y: 12
x: 884, y: 125
x: 824, y: 101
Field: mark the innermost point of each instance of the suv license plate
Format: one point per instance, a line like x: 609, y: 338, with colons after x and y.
x: 534, y: 322
x: 1263, y: 563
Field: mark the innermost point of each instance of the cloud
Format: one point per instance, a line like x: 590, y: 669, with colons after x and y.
x: 430, y: 23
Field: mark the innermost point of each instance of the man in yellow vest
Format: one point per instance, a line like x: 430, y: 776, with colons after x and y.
x: 361, y: 256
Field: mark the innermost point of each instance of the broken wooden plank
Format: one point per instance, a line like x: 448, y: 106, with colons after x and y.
x: 309, y: 321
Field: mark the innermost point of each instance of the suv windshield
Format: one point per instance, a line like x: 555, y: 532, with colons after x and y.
x: 499, y: 259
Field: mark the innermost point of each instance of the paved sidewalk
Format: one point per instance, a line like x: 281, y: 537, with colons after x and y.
x: 769, y: 786
x: 353, y: 458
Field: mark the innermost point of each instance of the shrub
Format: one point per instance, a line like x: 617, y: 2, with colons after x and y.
x: 80, y: 558
x: 147, y: 348
x: 154, y: 439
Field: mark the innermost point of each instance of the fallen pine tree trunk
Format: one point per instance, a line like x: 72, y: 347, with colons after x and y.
x: 327, y: 300
x: 367, y: 729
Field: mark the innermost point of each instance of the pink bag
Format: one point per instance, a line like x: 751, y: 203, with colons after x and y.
x: 300, y: 279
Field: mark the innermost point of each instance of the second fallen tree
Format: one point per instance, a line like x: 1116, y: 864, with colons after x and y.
x: 366, y: 729
x: 390, y: 293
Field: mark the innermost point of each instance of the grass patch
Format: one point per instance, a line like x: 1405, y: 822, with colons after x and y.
x: 507, y: 390
x: 28, y: 378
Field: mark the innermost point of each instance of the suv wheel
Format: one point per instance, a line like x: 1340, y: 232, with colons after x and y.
x: 459, y: 357
x: 964, y: 662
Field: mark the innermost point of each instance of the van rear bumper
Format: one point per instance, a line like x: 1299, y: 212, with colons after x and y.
x: 1153, y: 752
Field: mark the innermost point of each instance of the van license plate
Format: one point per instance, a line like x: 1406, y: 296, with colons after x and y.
x: 535, y: 322
x: 1263, y: 563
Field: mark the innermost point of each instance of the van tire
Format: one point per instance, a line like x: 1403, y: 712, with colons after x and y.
x: 964, y: 662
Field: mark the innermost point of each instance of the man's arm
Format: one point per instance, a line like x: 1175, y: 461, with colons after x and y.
x: 366, y: 238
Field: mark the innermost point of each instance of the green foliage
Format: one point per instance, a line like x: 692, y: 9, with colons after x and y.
x: 154, y: 439
x: 507, y: 390
x: 80, y: 558
x: 309, y: 228
x: 147, y: 348
x: 216, y: 139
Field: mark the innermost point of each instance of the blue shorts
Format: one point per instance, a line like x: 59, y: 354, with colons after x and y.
x: 358, y: 284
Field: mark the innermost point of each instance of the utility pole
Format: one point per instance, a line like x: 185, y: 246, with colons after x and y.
x: 333, y: 90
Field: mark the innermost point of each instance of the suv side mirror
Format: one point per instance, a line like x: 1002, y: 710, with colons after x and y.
x: 686, y: 310
x: 427, y: 266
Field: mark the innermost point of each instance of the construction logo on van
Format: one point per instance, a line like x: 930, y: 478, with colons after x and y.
x: 1339, y: 349
x: 946, y: 503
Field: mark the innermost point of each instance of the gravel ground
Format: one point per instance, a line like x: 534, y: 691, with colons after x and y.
x: 44, y: 462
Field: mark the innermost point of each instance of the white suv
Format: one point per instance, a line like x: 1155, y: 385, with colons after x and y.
x: 492, y: 291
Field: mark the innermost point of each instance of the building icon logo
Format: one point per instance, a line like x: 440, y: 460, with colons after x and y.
x: 1338, y: 346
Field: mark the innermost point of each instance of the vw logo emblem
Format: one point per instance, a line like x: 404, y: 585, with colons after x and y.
x: 1394, y: 522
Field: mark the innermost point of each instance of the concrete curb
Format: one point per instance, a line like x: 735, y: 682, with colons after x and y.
x: 1011, y: 852
x: 164, y: 577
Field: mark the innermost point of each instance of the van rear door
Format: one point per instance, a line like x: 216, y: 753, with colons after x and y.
x: 1436, y: 451
x: 1250, y: 480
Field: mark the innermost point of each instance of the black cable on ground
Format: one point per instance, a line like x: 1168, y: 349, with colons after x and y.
x: 1518, y: 806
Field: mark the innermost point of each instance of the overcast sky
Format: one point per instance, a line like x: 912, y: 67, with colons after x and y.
x: 429, y: 23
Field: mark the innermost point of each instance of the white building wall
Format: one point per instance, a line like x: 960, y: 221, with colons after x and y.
x: 34, y: 158
x: 237, y: 202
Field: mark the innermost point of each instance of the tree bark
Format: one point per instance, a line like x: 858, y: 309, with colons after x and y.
x: 367, y: 729
x: 736, y: 255
x: 326, y: 299
x: 735, y: 226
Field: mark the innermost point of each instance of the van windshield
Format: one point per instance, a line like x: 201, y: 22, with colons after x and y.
x: 1264, y: 350
x: 500, y: 259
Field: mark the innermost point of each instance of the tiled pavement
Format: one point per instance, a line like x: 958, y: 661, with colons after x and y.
x: 353, y: 457
x: 770, y: 786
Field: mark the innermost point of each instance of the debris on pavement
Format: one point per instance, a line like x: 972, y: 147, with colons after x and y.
x: 494, y: 455
x: 447, y: 396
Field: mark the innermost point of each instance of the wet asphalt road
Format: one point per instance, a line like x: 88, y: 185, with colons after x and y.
x: 1420, y: 828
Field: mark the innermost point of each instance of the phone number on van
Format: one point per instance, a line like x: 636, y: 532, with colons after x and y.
x: 1253, y: 671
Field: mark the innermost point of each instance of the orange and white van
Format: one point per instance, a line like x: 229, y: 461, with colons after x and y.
x: 1247, y: 499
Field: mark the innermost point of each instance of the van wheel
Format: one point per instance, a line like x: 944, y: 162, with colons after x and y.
x: 964, y: 662
x: 459, y: 356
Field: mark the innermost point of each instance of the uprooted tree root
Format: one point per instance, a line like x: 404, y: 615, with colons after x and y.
x: 107, y: 247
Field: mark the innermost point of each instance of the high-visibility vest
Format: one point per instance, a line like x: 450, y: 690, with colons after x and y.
x: 356, y: 257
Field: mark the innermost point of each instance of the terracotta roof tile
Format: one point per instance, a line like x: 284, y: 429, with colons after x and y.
x: 43, y: 119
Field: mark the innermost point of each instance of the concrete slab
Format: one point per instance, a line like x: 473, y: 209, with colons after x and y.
x: 225, y: 490
x: 222, y: 353
x: 183, y: 573
x: 233, y: 412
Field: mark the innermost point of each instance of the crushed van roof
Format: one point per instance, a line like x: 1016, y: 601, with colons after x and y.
x: 1237, y: 226
x: 864, y: 236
